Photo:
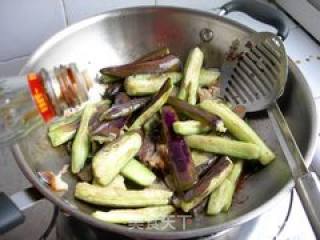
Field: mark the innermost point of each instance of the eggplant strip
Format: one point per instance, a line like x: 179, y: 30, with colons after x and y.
x: 80, y: 146
x: 125, y: 109
x: 180, y: 162
x: 190, y: 127
x: 109, y: 161
x: 221, y: 198
x: 146, y: 84
x: 154, y: 105
x: 156, y: 54
x: 138, y: 173
x: 109, y: 129
x: 239, y: 128
x: 142, y: 215
x: 190, y: 83
x: 208, y: 183
x: 194, y: 112
x: 224, y: 146
x: 168, y: 63
x: 113, y: 197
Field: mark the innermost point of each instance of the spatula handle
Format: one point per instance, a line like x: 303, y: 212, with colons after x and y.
x: 307, y: 183
x: 308, y: 189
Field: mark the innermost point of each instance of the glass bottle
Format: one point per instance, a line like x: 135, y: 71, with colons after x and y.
x: 28, y: 101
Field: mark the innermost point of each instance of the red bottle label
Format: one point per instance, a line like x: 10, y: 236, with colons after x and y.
x: 40, y: 97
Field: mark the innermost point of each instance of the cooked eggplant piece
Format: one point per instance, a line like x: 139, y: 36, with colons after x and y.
x: 106, y: 78
x: 212, y: 93
x: 209, y: 77
x: 112, y: 197
x: 141, y: 215
x: 151, y: 124
x: 109, y: 129
x: 190, y: 127
x: 80, y: 146
x: 112, y: 90
x: 63, y: 134
x: 203, y: 168
x: 194, y: 112
x: 207, y: 183
x: 147, y: 149
x: 168, y: 63
x: 65, y: 121
x: 121, y: 98
x: 192, y: 70
x: 200, y: 209
x: 233, y: 178
x: 157, y: 54
x: 190, y: 83
x: 201, y: 158
x: 218, y: 198
x: 158, y: 159
x: 221, y: 198
x: 117, y: 183
x: 101, y: 107
x: 224, y: 146
x: 138, y: 173
x: 239, y: 128
x: 147, y: 84
x: 85, y: 174
x: 109, y: 161
x: 154, y: 105
x: 125, y: 109
x: 179, y: 157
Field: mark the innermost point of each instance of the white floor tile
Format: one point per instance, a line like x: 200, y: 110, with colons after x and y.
x: 306, y: 53
x: 77, y: 10
x: 25, y: 25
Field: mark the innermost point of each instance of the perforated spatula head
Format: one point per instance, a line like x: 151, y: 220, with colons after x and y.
x: 255, y: 71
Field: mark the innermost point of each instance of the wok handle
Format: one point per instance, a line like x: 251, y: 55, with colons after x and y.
x: 260, y: 11
x: 307, y: 183
x: 11, y: 208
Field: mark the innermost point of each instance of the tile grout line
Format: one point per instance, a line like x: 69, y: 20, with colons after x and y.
x: 5, y: 61
x: 66, y: 21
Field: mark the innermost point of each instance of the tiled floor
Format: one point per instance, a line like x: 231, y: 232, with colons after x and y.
x: 26, y: 24
x: 78, y: 10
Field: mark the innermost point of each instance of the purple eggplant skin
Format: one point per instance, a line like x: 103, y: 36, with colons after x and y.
x: 203, y: 168
x: 125, y: 109
x: 85, y: 174
x: 154, y: 55
x: 95, y: 122
x: 193, y: 111
x: 200, y: 209
x: 110, y: 127
x: 169, y: 63
x: 181, y: 165
x: 121, y: 98
x: 113, y: 89
x: 205, y: 180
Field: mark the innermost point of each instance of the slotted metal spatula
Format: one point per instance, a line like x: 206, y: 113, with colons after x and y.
x: 254, y: 75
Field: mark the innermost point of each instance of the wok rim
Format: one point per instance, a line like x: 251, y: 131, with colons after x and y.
x: 64, y: 206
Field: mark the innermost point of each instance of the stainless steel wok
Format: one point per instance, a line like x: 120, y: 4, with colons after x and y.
x: 120, y: 36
